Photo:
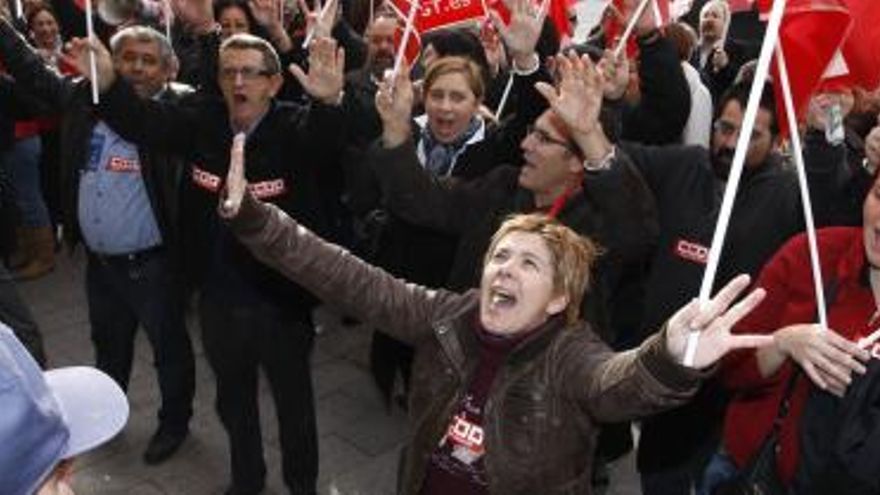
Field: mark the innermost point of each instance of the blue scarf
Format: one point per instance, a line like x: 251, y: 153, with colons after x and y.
x: 439, y: 156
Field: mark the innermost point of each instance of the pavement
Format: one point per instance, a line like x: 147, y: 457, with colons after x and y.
x: 359, y: 438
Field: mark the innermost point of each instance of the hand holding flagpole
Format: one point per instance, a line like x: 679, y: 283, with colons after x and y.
x: 739, y: 156
x: 621, y: 43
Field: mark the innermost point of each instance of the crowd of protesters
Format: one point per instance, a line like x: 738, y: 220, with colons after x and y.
x: 551, y: 204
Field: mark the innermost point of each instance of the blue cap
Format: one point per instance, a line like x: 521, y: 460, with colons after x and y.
x: 46, y: 417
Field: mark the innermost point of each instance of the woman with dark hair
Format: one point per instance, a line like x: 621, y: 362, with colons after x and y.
x: 35, y: 250
x: 236, y: 16
x: 45, y: 33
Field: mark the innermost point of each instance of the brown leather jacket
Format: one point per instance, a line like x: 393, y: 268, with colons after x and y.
x: 553, y: 389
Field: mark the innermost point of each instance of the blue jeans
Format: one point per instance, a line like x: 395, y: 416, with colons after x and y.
x: 22, y: 162
x: 720, y: 468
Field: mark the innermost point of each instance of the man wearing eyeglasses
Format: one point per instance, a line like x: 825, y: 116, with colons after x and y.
x: 120, y: 201
x: 687, y: 183
x: 251, y: 317
x: 556, y: 177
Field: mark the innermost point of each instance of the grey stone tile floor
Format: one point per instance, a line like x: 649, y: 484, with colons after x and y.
x: 359, y: 439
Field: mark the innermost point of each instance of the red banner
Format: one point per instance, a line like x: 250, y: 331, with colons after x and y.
x: 437, y: 14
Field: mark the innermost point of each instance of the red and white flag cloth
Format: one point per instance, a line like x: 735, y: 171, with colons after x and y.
x: 615, y: 21
x: 829, y: 43
x: 437, y: 14
x: 557, y: 12
x: 811, y: 34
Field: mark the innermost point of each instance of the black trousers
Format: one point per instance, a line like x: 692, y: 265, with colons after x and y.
x: 127, y: 290
x: 239, y: 340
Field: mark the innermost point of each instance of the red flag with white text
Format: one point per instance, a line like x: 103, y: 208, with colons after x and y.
x: 437, y: 14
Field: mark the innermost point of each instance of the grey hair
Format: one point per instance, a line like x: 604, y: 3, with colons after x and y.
x: 244, y: 41
x: 145, y: 34
x: 725, y: 10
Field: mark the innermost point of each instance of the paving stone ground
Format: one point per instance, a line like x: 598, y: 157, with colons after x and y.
x: 359, y: 439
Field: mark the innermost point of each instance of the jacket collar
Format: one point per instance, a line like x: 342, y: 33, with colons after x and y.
x: 422, y: 121
x: 457, y: 336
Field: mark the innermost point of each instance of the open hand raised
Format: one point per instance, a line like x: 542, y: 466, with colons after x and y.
x: 714, y: 320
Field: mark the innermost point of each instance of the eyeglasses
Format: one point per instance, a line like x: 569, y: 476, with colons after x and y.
x: 132, y: 58
x: 726, y: 129
x: 246, y: 73
x: 544, y: 137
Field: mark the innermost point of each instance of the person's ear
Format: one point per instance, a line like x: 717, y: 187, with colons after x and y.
x: 275, y: 82
x: 557, y: 304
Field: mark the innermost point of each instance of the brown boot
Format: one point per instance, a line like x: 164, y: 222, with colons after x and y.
x: 24, y: 245
x: 42, y: 259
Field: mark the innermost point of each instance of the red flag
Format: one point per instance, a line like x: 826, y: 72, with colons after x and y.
x: 764, y: 7
x: 557, y: 12
x: 661, y: 12
x: 740, y: 5
x: 437, y: 14
x: 811, y: 33
x: 413, y: 45
x: 861, y: 49
x: 613, y: 26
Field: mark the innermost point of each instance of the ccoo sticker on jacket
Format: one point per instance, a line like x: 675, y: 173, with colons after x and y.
x: 692, y: 251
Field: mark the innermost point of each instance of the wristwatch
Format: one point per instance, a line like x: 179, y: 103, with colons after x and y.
x: 604, y: 163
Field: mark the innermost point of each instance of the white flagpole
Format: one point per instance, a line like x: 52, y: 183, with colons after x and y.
x: 748, y: 124
x: 802, y: 182
x: 658, y: 16
x: 93, y: 68
x: 407, y: 32
x: 866, y: 342
x: 504, y: 96
x: 311, y: 34
x: 621, y: 43
x: 168, y: 15
x: 542, y: 11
